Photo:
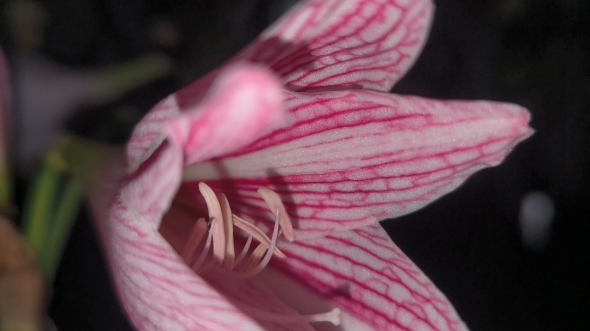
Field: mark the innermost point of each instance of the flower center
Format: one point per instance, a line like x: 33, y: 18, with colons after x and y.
x: 219, y: 233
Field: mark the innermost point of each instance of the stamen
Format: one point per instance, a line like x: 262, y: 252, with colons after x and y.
x: 216, y: 218
x: 255, y: 232
x: 228, y: 227
x: 274, y: 203
x: 207, y: 266
x: 221, y: 236
x: 255, y: 257
x: 197, y: 234
x: 244, y: 251
x: 204, y: 252
x: 269, y: 252
x: 333, y: 316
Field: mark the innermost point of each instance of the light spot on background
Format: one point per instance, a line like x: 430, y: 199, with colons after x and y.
x: 536, y: 215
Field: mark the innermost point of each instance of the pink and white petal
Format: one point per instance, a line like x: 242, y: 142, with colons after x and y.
x: 337, y: 44
x: 157, y: 289
x: 374, y: 283
x: 356, y: 157
x: 243, y: 103
x: 177, y: 224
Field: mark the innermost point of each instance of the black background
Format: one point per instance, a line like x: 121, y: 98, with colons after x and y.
x: 532, y: 52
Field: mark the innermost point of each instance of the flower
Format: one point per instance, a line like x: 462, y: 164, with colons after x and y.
x: 340, y: 155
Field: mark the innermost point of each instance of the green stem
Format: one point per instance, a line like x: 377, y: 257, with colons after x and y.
x: 109, y: 83
x: 39, y: 208
x: 69, y: 205
x: 5, y: 190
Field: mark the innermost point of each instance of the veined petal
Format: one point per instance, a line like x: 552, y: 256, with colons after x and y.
x: 355, y: 157
x: 371, y: 280
x: 338, y: 44
x: 243, y: 103
x: 255, y: 293
x: 156, y: 287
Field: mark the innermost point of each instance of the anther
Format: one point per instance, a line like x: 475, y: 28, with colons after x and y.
x: 216, y: 218
x: 274, y: 203
x: 228, y: 229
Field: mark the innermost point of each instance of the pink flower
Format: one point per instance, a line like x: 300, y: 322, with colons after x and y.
x: 339, y: 151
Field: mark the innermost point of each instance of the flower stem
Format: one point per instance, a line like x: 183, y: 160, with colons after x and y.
x: 39, y: 208
x: 50, y: 212
x: 67, y: 209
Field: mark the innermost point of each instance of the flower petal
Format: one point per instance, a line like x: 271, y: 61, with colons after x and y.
x: 355, y: 157
x: 254, y: 292
x: 158, y: 290
x: 374, y: 283
x: 339, y: 44
x: 242, y: 104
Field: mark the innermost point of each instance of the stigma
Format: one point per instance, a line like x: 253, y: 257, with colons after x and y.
x: 212, y: 246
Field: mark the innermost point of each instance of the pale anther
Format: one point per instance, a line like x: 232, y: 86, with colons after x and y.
x: 228, y: 229
x: 216, y: 219
x: 274, y: 202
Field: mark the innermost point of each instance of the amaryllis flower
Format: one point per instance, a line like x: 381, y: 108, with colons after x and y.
x: 251, y: 197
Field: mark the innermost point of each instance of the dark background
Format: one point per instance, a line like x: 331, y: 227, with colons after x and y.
x: 532, y: 52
